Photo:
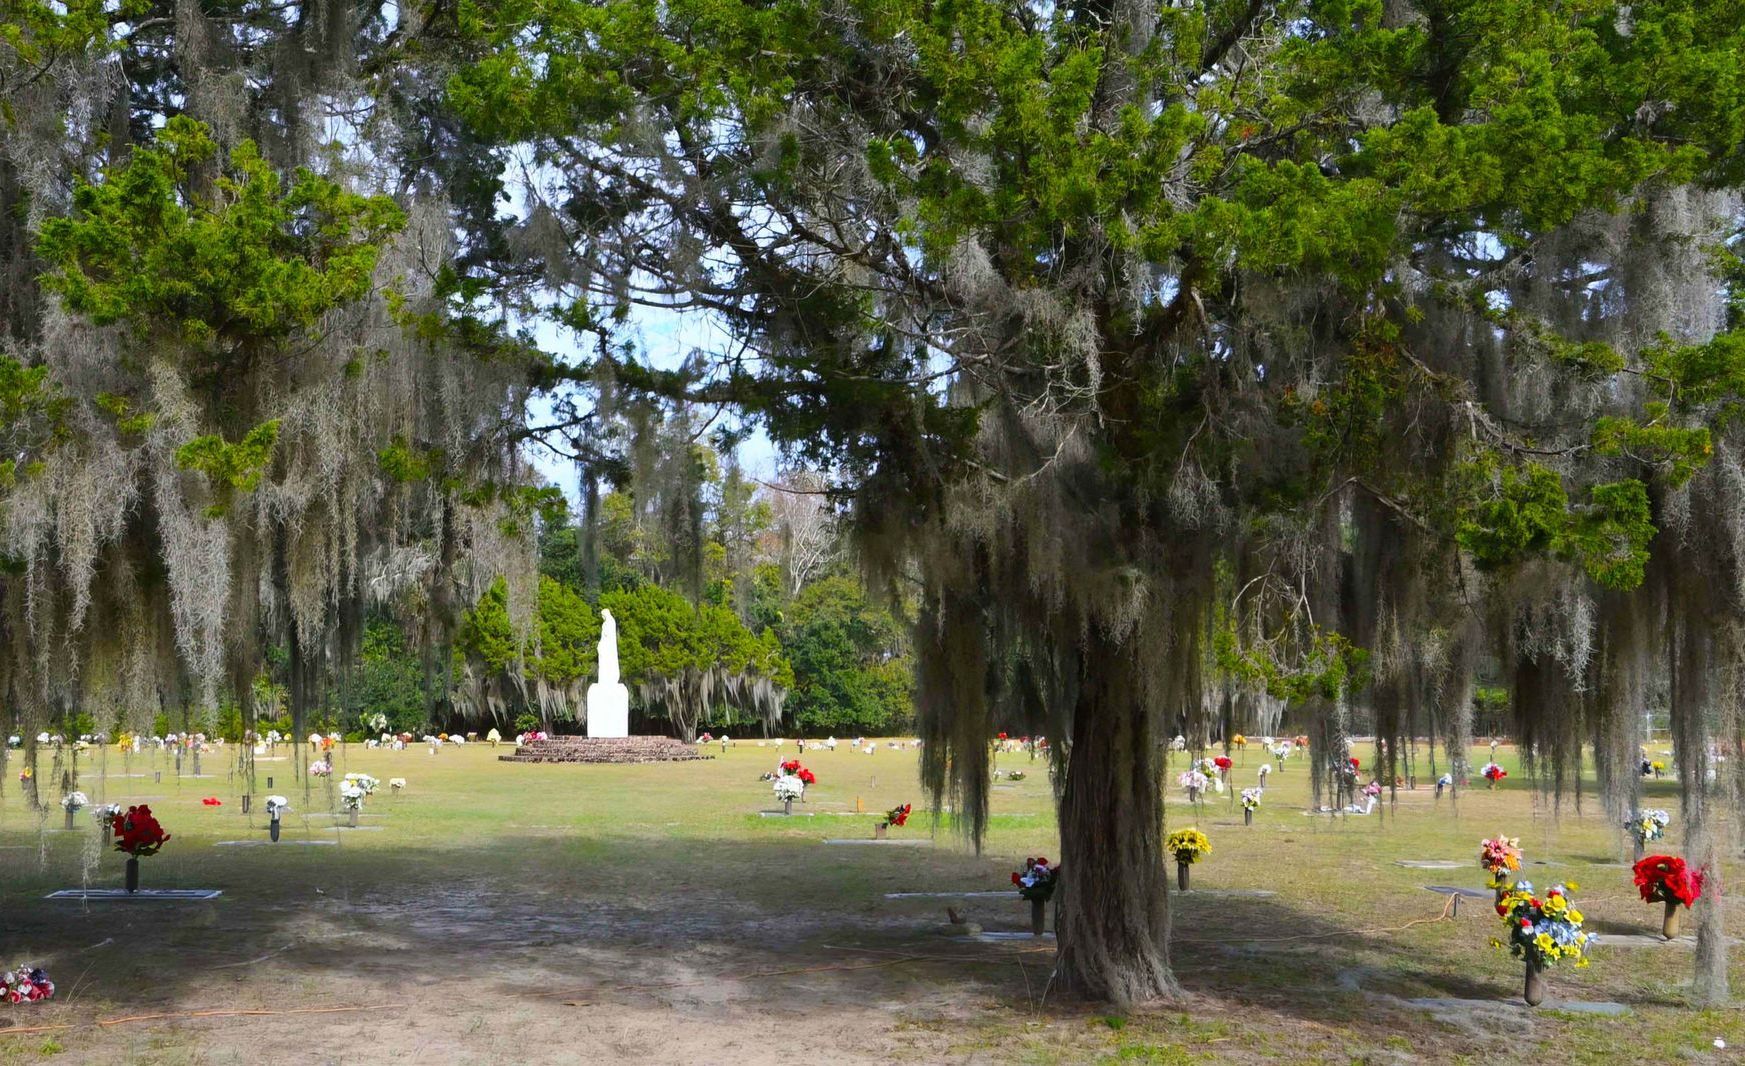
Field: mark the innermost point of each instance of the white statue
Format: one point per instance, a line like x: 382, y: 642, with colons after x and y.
x: 608, y: 699
x: 608, y: 648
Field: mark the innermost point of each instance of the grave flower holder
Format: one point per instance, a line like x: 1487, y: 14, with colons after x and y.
x: 137, y: 834
x: 1665, y: 879
x: 1038, y: 917
x: 1247, y: 816
x: 879, y: 830
x: 1534, y: 991
x: 69, y: 819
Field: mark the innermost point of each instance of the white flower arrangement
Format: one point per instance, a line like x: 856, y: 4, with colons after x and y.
x: 277, y: 805
x: 1250, y: 798
x: 1647, y: 825
x: 105, y: 813
x: 351, y: 796
x: 1194, y: 781
x: 74, y: 801
x: 321, y: 768
x: 363, y: 781
x: 789, y: 787
x: 396, y: 783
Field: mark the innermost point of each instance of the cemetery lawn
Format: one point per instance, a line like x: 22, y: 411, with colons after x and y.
x: 542, y: 914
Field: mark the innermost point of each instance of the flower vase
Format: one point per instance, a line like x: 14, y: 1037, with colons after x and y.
x: 69, y: 819
x: 132, y: 876
x: 1641, y: 849
x: 1247, y: 816
x: 787, y: 806
x: 273, y: 831
x: 879, y: 830
x: 1534, y: 992
x: 1491, y: 783
x: 1037, y: 918
x: 245, y: 803
x: 352, y: 821
x: 1669, y: 923
x: 1181, y: 874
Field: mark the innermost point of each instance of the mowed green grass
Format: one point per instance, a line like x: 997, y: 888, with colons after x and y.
x: 644, y: 893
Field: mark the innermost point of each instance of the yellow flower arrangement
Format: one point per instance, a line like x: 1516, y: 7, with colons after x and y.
x: 1188, y: 845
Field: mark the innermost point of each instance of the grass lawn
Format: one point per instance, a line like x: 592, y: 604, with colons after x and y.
x: 505, y: 913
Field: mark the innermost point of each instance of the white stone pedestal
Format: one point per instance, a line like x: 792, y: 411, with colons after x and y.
x: 608, y: 710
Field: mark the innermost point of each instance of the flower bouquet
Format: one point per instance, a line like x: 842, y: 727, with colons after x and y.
x: 72, y: 803
x: 1500, y: 857
x: 1646, y: 825
x: 1187, y: 845
x: 793, y: 768
x: 1015, y: 775
x: 1265, y: 768
x: 351, y: 797
x: 25, y: 984
x: 1194, y: 782
x: 1239, y: 742
x: 788, y: 788
x: 897, y: 816
x: 1036, y: 883
x: 1493, y: 773
x: 396, y: 783
x: 1666, y: 879
x: 321, y: 768
x: 1445, y: 781
x: 138, y: 834
x: 1542, y: 932
x: 1250, y: 804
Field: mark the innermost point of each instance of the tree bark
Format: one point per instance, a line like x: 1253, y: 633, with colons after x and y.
x: 1112, y: 924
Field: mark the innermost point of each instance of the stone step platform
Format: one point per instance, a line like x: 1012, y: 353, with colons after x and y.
x: 606, y: 750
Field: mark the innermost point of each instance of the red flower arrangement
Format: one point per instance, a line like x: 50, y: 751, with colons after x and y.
x: 1355, y: 765
x: 212, y: 801
x: 1222, y: 763
x: 1494, y: 773
x: 793, y: 767
x: 138, y: 833
x: 1666, y: 877
x: 1002, y: 736
x: 898, y: 816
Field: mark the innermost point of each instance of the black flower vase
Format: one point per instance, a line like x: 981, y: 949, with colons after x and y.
x: 273, y: 831
x: 1247, y: 816
x: 69, y: 819
x: 1037, y: 918
x: 132, y: 876
x: 1181, y: 874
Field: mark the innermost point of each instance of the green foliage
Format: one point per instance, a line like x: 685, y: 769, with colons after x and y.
x: 563, y: 645
x: 219, y: 253
x: 404, y: 463
x: 1327, y: 665
x: 661, y: 634
x: 850, y: 675
x: 230, y: 467
x: 1509, y: 512
x: 388, y: 680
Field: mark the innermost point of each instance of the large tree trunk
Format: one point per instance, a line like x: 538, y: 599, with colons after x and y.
x: 1113, y: 916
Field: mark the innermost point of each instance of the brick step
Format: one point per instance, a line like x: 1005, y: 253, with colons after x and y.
x: 572, y: 749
